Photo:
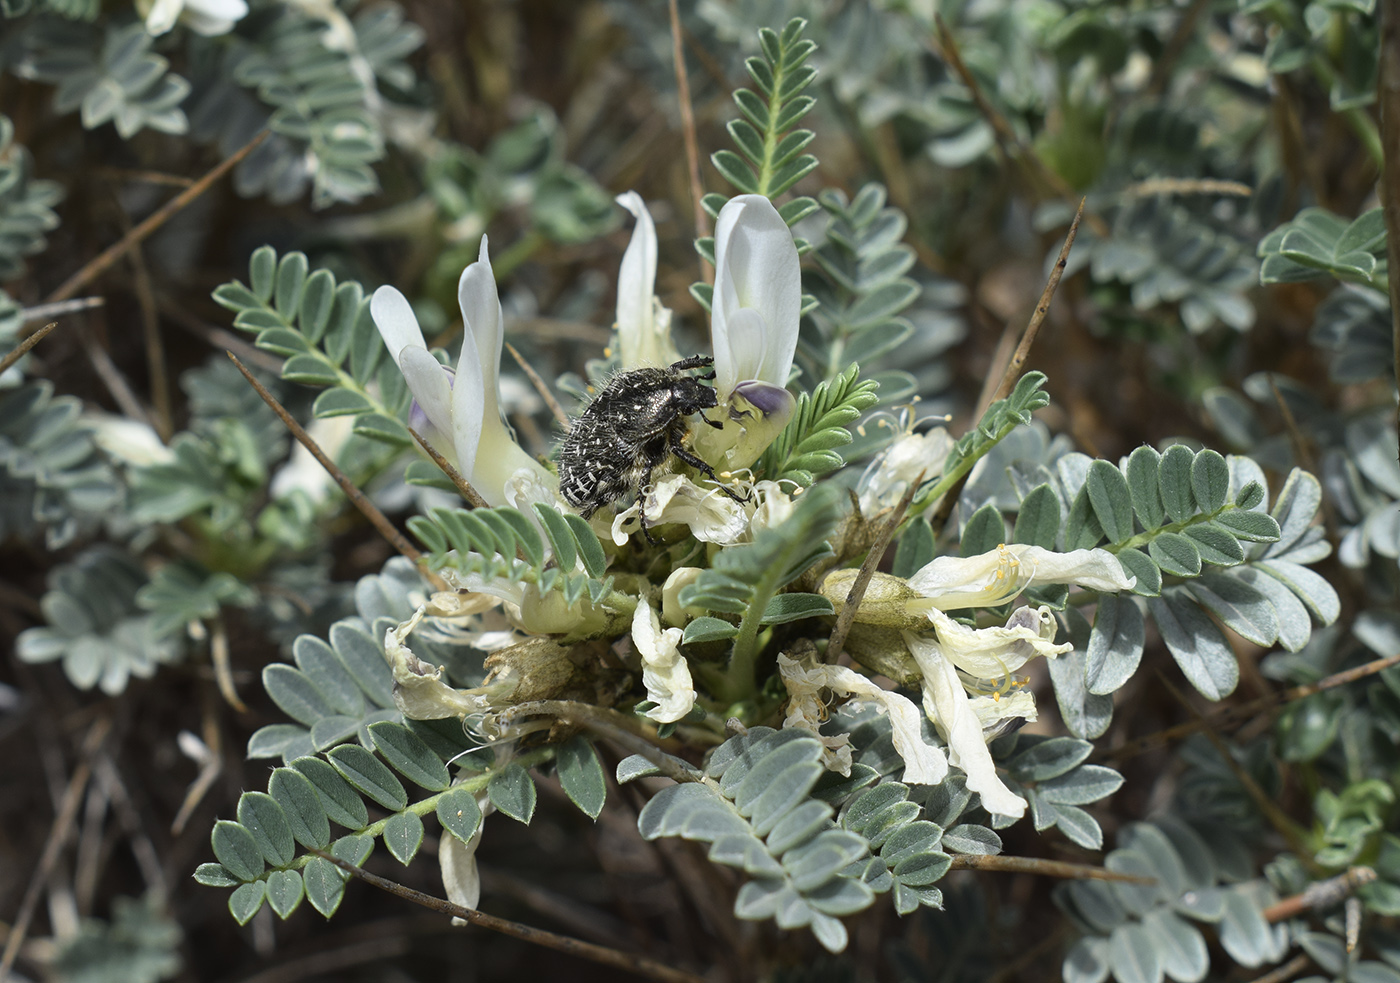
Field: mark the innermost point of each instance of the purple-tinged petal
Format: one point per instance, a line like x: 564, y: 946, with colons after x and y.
x: 431, y: 386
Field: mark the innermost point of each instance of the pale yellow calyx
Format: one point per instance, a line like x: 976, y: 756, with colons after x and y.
x: 887, y: 600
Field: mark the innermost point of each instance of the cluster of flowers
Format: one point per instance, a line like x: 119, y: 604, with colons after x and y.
x: 969, y: 686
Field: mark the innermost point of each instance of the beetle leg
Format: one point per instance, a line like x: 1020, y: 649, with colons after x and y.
x: 693, y: 362
x: 678, y: 449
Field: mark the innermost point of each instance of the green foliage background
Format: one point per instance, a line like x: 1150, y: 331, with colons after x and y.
x: 175, y: 621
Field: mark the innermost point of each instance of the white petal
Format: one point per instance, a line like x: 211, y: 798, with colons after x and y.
x: 946, y: 703
x: 756, y: 266
x: 499, y: 461
x: 713, y: 517
x: 213, y: 17
x: 991, y: 653
x: 665, y: 673
x: 671, y: 608
x: 747, y: 338
x: 131, y: 441
x: 636, y: 284
x: 427, y: 380
x: 460, y: 877
x: 229, y: 10
x: 994, y: 577
x: 993, y: 711
x: 419, y: 690
x: 395, y: 320
x: 481, y: 315
x: 163, y: 15
x: 924, y: 764
x: 886, y: 481
x: 468, y: 410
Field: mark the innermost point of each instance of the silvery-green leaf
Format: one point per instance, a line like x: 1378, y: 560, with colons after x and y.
x: 581, y: 776
x: 1174, y: 482
x: 284, y: 892
x: 1133, y: 956
x: 1244, y: 610
x: 1115, y: 645
x: 369, y: 775
x: 403, y: 834
x: 1202, y: 653
x: 513, y: 792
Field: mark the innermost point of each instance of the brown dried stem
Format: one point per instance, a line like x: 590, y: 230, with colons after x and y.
x: 559, y: 415
x: 610, y: 724
x: 24, y: 347
x: 692, y: 148
x: 1276, y: 817
x: 58, y: 835
x: 464, y: 488
x: 1042, y: 307
x: 867, y: 570
x: 1012, y: 147
x: 1227, y: 715
x: 357, y: 498
x: 100, y: 263
x: 1018, y: 360
x: 1045, y: 868
x: 641, y: 965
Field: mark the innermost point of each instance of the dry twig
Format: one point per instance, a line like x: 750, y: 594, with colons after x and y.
x: 24, y: 347
x: 100, y: 263
x: 357, y: 498
x: 641, y: 965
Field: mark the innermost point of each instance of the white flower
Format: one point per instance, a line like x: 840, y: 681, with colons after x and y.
x: 671, y: 609
x: 129, y: 441
x: 457, y: 860
x: 924, y: 764
x: 643, y: 325
x: 983, y: 660
x: 713, y: 517
x: 775, y: 506
x: 461, y: 414
x: 207, y: 17
x: 420, y: 693
x: 303, y: 472
x: 995, y: 577
x: 665, y: 673
x: 887, y: 479
x: 753, y: 325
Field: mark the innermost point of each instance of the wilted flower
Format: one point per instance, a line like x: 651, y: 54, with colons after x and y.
x: 753, y: 324
x: 665, y: 673
x: 207, y: 17
x: 989, y: 579
x: 459, y: 413
x: 420, y: 692
x: 924, y: 764
x: 995, y: 577
x: 981, y: 660
x: 711, y: 515
x: 643, y: 325
x: 887, y: 479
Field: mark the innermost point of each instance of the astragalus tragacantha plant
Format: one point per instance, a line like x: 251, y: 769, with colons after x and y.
x: 700, y: 581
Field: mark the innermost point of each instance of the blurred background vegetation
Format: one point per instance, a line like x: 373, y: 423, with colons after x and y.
x: 153, y: 590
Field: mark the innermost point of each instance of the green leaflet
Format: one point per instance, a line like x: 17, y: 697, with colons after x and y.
x: 762, y: 821
x: 806, y: 447
x: 324, y: 329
